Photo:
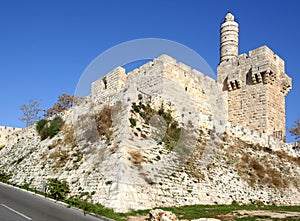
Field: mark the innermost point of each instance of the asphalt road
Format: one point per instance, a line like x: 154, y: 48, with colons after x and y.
x: 18, y: 205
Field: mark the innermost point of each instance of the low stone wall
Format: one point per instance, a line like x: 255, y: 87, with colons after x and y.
x: 5, y: 132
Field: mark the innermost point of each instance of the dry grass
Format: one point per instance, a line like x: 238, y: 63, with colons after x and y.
x: 60, y: 157
x: 136, y: 157
x: 190, y: 165
x: 256, y: 170
x: 69, y: 137
x: 262, y: 167
x: 104, y: 122
x: 288, y: 158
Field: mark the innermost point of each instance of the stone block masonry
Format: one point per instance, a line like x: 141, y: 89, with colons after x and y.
x: 255, y: 85
x: 5, y: 132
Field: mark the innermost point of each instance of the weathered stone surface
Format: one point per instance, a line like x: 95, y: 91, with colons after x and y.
x: 161, y: 215
x: 5, y: 132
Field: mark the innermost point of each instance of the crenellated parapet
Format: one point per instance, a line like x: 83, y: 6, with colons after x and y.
x: 286, y: 84
x: 262, y: 66
x: 106, y: 87
x: 234, y: 80
x: 268, y: 68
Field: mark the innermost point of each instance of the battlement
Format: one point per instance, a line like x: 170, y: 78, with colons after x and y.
x: 266, y: 67
x: 6, y: 131
x: 261, y: 66
x: 106, y: 87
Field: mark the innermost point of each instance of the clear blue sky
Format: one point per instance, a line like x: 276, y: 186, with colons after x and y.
x: 46, y: 45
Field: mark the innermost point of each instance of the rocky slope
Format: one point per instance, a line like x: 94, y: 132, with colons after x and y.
x: 144, y: 158
x: 139, y: 151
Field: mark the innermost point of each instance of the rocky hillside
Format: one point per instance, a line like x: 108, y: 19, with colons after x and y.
x: 139, y: 151
x: 135, y: 155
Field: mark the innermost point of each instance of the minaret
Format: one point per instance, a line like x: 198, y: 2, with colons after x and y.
x: 229, y: 38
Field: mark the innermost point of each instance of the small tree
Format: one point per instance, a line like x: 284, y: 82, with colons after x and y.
x: 63, y: 103
x: 31, y: 112
x: 295, y: 131
x: 56, y: 189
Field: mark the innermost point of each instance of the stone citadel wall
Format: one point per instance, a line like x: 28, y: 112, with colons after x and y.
x: 106, y: 169
x: 195, y: 95
x: 5, y: 132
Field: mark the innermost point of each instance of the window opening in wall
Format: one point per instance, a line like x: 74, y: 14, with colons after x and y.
x: 232, y: 84
x: 256, y: 77
x: 236, y: 84
x: 105, y: 83
x: 185, y: 88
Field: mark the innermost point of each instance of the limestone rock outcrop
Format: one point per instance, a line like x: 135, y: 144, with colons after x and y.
x: 161, y: 215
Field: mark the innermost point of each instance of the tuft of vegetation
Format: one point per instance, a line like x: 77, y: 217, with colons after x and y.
x: 41, y: 125
x: 55, y: 126
x: 132, y: 121
x: 104, y: 122
x: 60, y: 156
x: 2, y: 146
x: 145, y: 111
x: 173, y: 131
x: 69, y: 137
x: 56, y: 189
x: 257, y: 171
x: 98, y: 209
x: 136, y: 157
x: 50, y: 128
x: 4, y: 177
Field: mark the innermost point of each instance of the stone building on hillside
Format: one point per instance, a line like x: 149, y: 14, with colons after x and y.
x: 249, y: 92
x: 252, y: 87
x: 165, y: 134
x: 255, y: 84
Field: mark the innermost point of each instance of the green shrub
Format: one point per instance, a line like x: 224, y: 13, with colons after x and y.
x: 136, y: 108
x: 42, y: 129
x: 47, y: 128
x: 98, y: 209
x: 56, y: 189
x: 55, y: 126
x: 173, y: 132
x: 2, y: 146
x: 41, y: 125
x: 4, y: 177
x: 132, y: 122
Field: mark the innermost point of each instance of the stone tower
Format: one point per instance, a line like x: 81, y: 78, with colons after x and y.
x: 255, y: 85
x: 229, y: 38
